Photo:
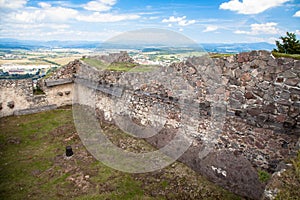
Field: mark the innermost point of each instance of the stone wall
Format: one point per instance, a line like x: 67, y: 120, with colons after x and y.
x: 264, y: 90
x: 18, y: 95
x: 17, y: 98
x: 259, y: 96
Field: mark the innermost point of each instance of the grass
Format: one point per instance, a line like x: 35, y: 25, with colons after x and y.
x: 32, y: 166
x: 94, y: 62
x: 263, y: 176
x: 25, y: 150
x: 219, y: 55
x: 123, y: 67
x: 296, y: 166
x: 120, y: 66
x: 289, y: 182
x: 294, y: 56
x: 276, y: 54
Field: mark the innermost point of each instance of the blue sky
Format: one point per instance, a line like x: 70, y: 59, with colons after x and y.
x: 215, y: 21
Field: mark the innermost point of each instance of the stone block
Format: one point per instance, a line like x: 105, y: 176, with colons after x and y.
x: 254, y: 111
x: 292, y: 81
x: 288, y: 74
x: 243, y: 57
x: 249, y: 95
x: 270, y: 108
x: 258, y: 92
x: 51, y: 83
x: 238, y: 95
x: 294, y: 110
x: 246, y: 77
x: 296, y: 65
x: 235, y: 104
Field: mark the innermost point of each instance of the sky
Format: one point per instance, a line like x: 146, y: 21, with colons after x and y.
x: 209, y: 21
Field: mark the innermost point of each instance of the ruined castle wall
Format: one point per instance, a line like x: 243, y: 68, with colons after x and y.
x: 58, y: 89
x: 261, y: 98
x: 17, y: 98
x: 261, y: 126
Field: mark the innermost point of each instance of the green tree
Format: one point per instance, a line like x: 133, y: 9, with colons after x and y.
x: 289, y: 44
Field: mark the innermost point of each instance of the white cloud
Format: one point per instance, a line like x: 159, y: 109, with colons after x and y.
x: 99, y: 5
x: 153, y: 17
x: 251, y: 6
x: 50, y: 20
x: 297, y: 14
x: 28, y: 16
x: 12, y: 4
x: 181, y: 21
x: 106, y: 17
x: 297, y: 32
x: 256, y: 29
x: 59, y: 34
x: 44, y: 5
x: 186, y: 22
x: 173, y: 19
x: 210, y: 28
x: 44, y: 14
x: 109, y: 2
x: 41, y: 25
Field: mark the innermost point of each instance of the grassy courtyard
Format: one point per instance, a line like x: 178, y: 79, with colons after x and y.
x: 33, y: 166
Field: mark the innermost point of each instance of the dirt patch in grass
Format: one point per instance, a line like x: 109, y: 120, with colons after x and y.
x: 33, y: 166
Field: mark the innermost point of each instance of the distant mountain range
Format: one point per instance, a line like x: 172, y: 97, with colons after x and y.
x: 237, y: 47
x: 8, y: 43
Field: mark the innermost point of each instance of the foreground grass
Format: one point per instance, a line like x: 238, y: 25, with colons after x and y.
x: 32, y: 166
x: 289, y: 182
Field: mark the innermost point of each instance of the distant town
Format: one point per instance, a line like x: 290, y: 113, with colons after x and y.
x: 20, y: 60
x: 20, y: 63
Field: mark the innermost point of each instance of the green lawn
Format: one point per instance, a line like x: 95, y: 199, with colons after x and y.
x: 220, y: 55
x: 294, y: 56
x: 122, y: 67
x: 289, y: 182
x: 32, y: 166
